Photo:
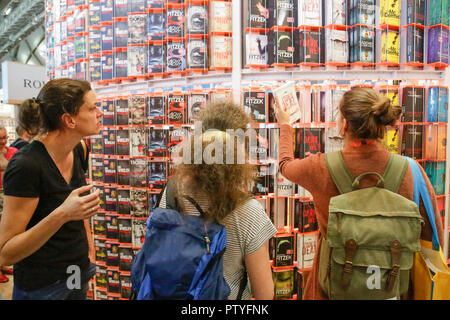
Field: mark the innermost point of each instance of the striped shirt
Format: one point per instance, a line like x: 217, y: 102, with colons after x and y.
x: 248, y: 228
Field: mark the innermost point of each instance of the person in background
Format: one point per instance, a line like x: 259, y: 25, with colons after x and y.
x: 6, y: 154
x: 43, y: 229
x: 221, y: 190
x: 363, y: 116
x: 23, y: 139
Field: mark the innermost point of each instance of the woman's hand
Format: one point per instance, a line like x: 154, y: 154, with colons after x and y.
x: 77, y: 207
x: 282, y: 116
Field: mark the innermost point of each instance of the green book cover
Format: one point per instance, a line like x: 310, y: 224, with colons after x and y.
x: 439, y: 12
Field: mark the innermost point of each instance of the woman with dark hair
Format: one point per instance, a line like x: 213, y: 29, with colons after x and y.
x: 221, y: 190
x: 363, y: 117
x: 47, y: 202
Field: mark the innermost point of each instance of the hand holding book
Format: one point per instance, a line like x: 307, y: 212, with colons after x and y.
x: 286, y: 104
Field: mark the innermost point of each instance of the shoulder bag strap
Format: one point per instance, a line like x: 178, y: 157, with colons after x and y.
x: 339, y: 171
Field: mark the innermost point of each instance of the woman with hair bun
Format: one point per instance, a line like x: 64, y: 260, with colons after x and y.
x: 363, y: 117
x: 47, y: 202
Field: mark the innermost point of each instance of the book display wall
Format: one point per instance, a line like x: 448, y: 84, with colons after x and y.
x: 155, y: 64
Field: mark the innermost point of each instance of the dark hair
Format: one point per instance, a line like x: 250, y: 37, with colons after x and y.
x: 57, y: 97
x: 368, y: 112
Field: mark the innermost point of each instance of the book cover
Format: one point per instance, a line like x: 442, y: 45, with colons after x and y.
x: 155, y: 4
x: 123, y: 171
x: 362, y: 12
x: 197, y: 53
x: 156, y: 58
x: 412, y: 141
x: 317, y: 105
x: 107, y: 65
x: 100, y: 248
x: 95, y: 68
x: 333, y: 142
x: 279, y: 213
x: 110, y: 166
x: 109, y: 141
x: 274, y: 141
x: 281, y: 13
x: 392, y: 94
x: 197, y: 19
x: 137, y: 27
x: 121, y: 109
x: 156, y: 110
x: 309, y: 12
x: 157, y: 175
x: 390, y: 12
x: 176, y: 56
x: 443, y: 105
x: 437, y: 50
x: 138, y: 203
x: 256, y: 13
x: 196, y: 102
x: 439, y: 12
x: 390, y: 46
x: 255, y: 104
x: 175, y: 22
x: 157, y: 142
x: 337, y: 44
x: 120, y: 8
x: 124, y: 231
x: 137, y: 61
x: 95, y: 12
x: 261, y: 185
x: 414, y: 104
x: 97, y: 169
x: 433, y: 104
x: 220, y: 16
x: 259, y: 145
x: 416, y: 12
x: 286, y: 98
x: 441, y: 142
x: 138, y: 108
x: 110, y: 206
x: 283, y: 281
x: 415, y: 44
x: 136, y: 5
x: 112, y: 260
x: 107, y: 33
x: 431, y: 142
x: 306, y: 249
x: 391, y: 140
x: 101, y: 280
x: 96, y: 146
x: 123, y: 201
x: 306, y: 217
x: 336, y: 13
x: 80, y: 19
x: 80, y: 47
x: 176, y: 109
x: 121, y: 63
x: 312, y: 46
x: 282, y: 49
x: 176, y: 136
x: 221, y: 51
x: 284, y: 187
x: 138, y: 172
x: 138, y: 232
x: 123, y: 141
x: 107, y: 10
x: 256, y: 49
x: 155, y: 26
x: 95, y: 40
x: 364, y: 44
x: 138, y: 142
x: 283, y: 250
x: 126, y: 254
x: 120, y: 34
x: 313, y: 141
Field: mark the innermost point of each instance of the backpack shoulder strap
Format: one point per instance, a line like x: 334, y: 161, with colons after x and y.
x: 394, y: 172
x: 171, y: 201
x: 339, y: 171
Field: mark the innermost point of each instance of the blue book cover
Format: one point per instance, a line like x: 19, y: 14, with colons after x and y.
x: 433, y: 104
x: 443, y: 105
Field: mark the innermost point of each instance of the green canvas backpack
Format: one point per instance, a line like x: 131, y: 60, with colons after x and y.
x: 373, y: 234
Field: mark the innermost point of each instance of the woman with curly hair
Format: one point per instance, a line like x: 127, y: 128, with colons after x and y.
x: 221, y: 187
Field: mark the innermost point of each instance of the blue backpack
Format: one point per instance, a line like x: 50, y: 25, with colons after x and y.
x: 182, y: 256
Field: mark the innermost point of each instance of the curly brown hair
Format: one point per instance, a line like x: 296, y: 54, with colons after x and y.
x: 226, y: 186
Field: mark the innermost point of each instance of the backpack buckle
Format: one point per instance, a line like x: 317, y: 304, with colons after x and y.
x: 396, y: 253
x: 350, y: 250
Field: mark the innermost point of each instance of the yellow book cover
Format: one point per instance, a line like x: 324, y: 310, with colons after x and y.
x: 442, y: 142
x: 391, y: 140
x: 392, y: 95
x: 390, y: 47
x: 390, y: 12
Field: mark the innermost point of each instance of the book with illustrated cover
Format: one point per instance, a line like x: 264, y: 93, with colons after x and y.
x: 317, y: 105
x: 255, y: 104
x: 390, y: 46
x: 282, y: 250
x: 197, y: 53
x: 221, y: 51
x: 100, y: 246
x: 123, y: 141
x: 137, y: 5
x: 110, y: 200
x: 156, y: 58
x: 123, y: 171
x: 413, y: 104
x: 281, y: 47
x: 256, y: 13
x: 176, y: 56
x: 81, y: 70
x: 80, y: 20
x: 138, y: 172
x: 336, y: 13
x: 156, y: 110
x: 439, y: 12
x: 95, y: 12
x: 286, y: 98
x: 390, y: 12
x: 392, y: 140
x: 124, y: 233
x: 123, y: 201
x: 121, y: 109
x: 443, y: 105
x: 313, y: 141
x: 155, y: 26
x: 278, y: 213
x: 333, y: 142
x: 112, y: 260
x: 274, y: 140
x: 138, y: 203
x: 416, y: 12
x: 126, y: 254
x: 436, y: 173
x: 306, y: 249
x: 362, y: 12
x: 311, y: 46
x: 412, y: 141
x: 95, y: 68
x: 109, y: 141
x: 415, y: 44
x: 197, y: 19
x: 120, y: 8
x: 137, y: 28
x: 441, y: 142
x: 138, y: 107
x: 256, y: 46
x: 283, y: 281
x: 96, y: 144
x: 431, y: 141
x: 138, y: 232
x: 261, y: 185
x: 120, y: 34
x: 196, y: 103
x: 364, y: 45
x: 107, y: 65
x: 433, y: 104
x: 110, y: 166
x: 337, y: 44
x: 437, y: 51
x: 259, y: 145
x: 175, y: 23
x: 95, y: 40
x: 305, y: 217
x: 101, y: 280
x: 157, y: 175
x: 107, y: 33
x: 336, y: 97
x: 308, y: 12
x: 137, y: 61
x: 392, y: 94
x: 220, y: 16
x: 281, y: 13
x: 102, y: 197
x: 120, y: 63
x: 176, y: 109
x: 157, y: 142
x: 98, y: 173
x: 283, y: 187
x: 80, y: 47
x: 176, y: 136
x: 138, y: 142
x: 107, y: 10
